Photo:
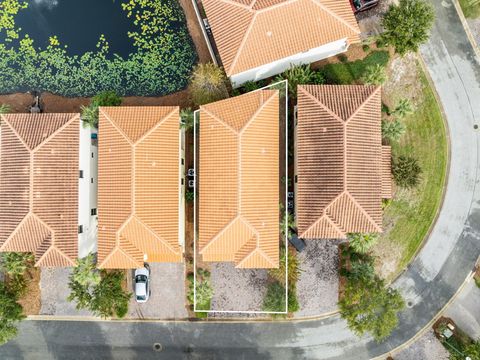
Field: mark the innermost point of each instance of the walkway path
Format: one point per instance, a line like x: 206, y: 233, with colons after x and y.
x: 428, y: 284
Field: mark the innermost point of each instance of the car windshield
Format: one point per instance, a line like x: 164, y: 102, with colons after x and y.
x: 140, y: 278
x: 141, y: 297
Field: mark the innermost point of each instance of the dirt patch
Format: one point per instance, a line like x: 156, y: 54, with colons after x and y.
x: 19, y: 102
x: 387, y: 257
x: 195, y: 31
x: 403, y: 80
x: 31, y: 301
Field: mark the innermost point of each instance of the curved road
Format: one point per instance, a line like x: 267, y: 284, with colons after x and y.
x: 428, y: 284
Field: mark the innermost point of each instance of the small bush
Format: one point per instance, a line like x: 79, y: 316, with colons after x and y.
x: 348, y: 73
x: 187, y: 119
x: 366, y: 48
x: 90, y: 112
x: 4, y: 109
x: 361, y: 243
x: 297, y: 75
x: 293, y: 270
x: 403, y: 108
x: 392, y: 130
x: 208, y: 83
x: 189, y: 196
x: 11, y: 312
x: 374, y: 75
x: 406, y: 171
x: 274, y: 300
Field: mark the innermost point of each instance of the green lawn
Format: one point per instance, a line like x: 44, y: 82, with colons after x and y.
x: 470, y: 8
x: 413, y: 211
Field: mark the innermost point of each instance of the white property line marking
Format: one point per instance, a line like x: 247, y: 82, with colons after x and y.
x: 196, y: 117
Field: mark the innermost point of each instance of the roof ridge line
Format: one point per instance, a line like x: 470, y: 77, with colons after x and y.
x: 333, y: 14
x: 369, y: 97
x: 166, y: 117
x: 242, y: 43
x: 213, y: 239
x: 326, y: 108
x: 219, y: 120
x: 257, y: 249
x: 260, y: 108
x: 51, y: 248
x: 362, y: 210
x: 16, y: 133
x: 268, y: 8
x: 56, y: 132
x: 155, y: 234
x: 116, y: 126
x: 116, y: 248
x: 15, y: 231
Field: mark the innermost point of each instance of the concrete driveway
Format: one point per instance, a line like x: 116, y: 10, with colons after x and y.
x: 428, y: 284
x: 167, y: 300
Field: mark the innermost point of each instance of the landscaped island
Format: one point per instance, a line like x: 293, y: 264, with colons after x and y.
x: 161, y: 59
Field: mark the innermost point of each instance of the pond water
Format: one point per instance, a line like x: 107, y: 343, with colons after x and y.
x: 78, y: 24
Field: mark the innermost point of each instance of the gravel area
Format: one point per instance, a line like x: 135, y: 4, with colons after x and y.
x: 428, y: 347
x: 474, y: 25
x: 167, y: 299
x: 54, y: 292
x: 317, y: 287
x: 237, y: 289
x: 369, y: 21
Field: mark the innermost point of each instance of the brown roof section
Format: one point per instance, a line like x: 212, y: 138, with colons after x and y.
x: 239, y: 180
x: 39, y: 169
x: 387, y: 191
x: 251, y: 33
x: 138, y: 186
x: 340, y: 166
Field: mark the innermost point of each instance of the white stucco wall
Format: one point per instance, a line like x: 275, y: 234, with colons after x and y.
x: 279, y: 66
x: 87, y: 193
x: 181, y: 209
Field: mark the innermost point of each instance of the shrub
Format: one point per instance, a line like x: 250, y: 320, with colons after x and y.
x: 252, y: 86
x: 90, y: 112
x: 293, y: 271
x: 188, y: 119
x: 369, y: 306
x: 11, y: 312
x: 348, y: 73
x: 299, y: 75
x: 4, y: 109
x: 374, y: 75
x: 406, y: 171
x: 403, y: 108
x: 361, y: 243
x: 392, y: 130
x: 274, y: 300
x: 16, y: 263
x: 189, y: 195
x: 407, y: 25
x: 208, y: 83
x: 366, y: 48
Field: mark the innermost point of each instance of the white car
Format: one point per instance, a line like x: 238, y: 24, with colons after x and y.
x: 142, y: 284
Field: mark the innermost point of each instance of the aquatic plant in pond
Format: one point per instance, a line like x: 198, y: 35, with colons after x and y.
x: 161, y: 63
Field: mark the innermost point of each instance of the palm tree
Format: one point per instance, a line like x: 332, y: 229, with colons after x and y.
x: 188, y: 119
x: 392, y: 130
x: 406, y: 171
x: 85, y: 273
x: 89, y: 116
x: 374, y: 75
x: 361, y: 243
x: 293, y: 271
x: 403, y: 108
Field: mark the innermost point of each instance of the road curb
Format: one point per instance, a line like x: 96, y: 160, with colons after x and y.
x: 466, y: 27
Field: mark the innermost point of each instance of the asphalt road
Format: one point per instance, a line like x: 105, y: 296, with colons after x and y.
x: 428, y: 284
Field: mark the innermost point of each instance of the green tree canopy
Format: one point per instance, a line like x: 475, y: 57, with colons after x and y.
x: 90, y: 112
x: 369, y: 306
x: 374, y: 75
x: 11, y: 312
x: 361, y: 243
x: 407, y: 25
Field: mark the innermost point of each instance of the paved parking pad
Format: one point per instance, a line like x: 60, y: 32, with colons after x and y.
x: 167, y: 300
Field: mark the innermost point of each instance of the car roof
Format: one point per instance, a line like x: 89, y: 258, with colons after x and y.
x: 140, y: 289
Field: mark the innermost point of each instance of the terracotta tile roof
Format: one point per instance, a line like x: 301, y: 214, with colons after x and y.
x: 39, y: 170
x: 339, y: 161
x: 251, y: 33
x: 387, y: 191
x: 239, y: 180
x: 138, y: 186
